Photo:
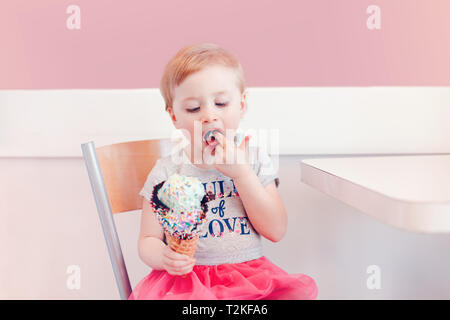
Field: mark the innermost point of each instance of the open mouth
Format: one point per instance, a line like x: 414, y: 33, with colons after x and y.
x: 209, y: 137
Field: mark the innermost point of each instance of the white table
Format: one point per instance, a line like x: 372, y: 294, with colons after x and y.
x: 408, y: 192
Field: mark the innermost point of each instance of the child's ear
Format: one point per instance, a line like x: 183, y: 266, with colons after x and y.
x: 243, y: 105
x: 172, y: 115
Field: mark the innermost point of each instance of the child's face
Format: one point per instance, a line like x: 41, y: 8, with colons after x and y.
x: 208, y: 109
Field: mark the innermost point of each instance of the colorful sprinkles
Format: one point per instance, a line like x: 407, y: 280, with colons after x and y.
x: 181, y: 205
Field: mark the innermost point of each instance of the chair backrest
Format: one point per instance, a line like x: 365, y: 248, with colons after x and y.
x: 125, y: 167
x: 117, y: 173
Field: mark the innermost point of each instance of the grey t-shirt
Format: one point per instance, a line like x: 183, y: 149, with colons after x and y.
x: 228, y: 236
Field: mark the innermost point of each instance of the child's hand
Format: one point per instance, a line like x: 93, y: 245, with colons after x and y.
x: 176, y: 263
x: 238, y: 156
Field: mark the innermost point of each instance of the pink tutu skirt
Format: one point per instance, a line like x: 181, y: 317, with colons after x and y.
x: 257, y: 279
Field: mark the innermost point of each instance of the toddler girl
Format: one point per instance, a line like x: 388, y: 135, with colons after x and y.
x: 203, y: 88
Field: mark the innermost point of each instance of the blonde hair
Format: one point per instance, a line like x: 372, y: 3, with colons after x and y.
x: 194, y: 58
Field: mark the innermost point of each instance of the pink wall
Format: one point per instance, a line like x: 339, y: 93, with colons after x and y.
x: 125, y: 44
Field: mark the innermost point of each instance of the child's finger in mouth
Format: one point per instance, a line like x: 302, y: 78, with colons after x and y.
x: 213, y: 137
x: 219, y: 140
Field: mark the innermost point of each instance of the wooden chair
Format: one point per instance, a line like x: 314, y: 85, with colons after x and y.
x: 117, y: 173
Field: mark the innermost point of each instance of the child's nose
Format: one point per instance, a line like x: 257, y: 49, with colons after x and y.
x: 208, y: 115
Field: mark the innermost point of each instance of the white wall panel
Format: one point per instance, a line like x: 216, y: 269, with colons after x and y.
x: 310, y: 120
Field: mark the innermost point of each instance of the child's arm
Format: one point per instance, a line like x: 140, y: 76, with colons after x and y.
x: 151, y: 238
x: 263, y: 205
x: 153, y: 251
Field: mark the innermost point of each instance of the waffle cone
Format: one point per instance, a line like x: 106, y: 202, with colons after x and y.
x: 188, y: 246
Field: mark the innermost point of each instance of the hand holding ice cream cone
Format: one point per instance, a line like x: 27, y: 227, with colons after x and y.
x: 180, y: 204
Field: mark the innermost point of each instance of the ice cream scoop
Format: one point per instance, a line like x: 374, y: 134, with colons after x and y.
x: 180, y: 202
x: 181, y: 193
